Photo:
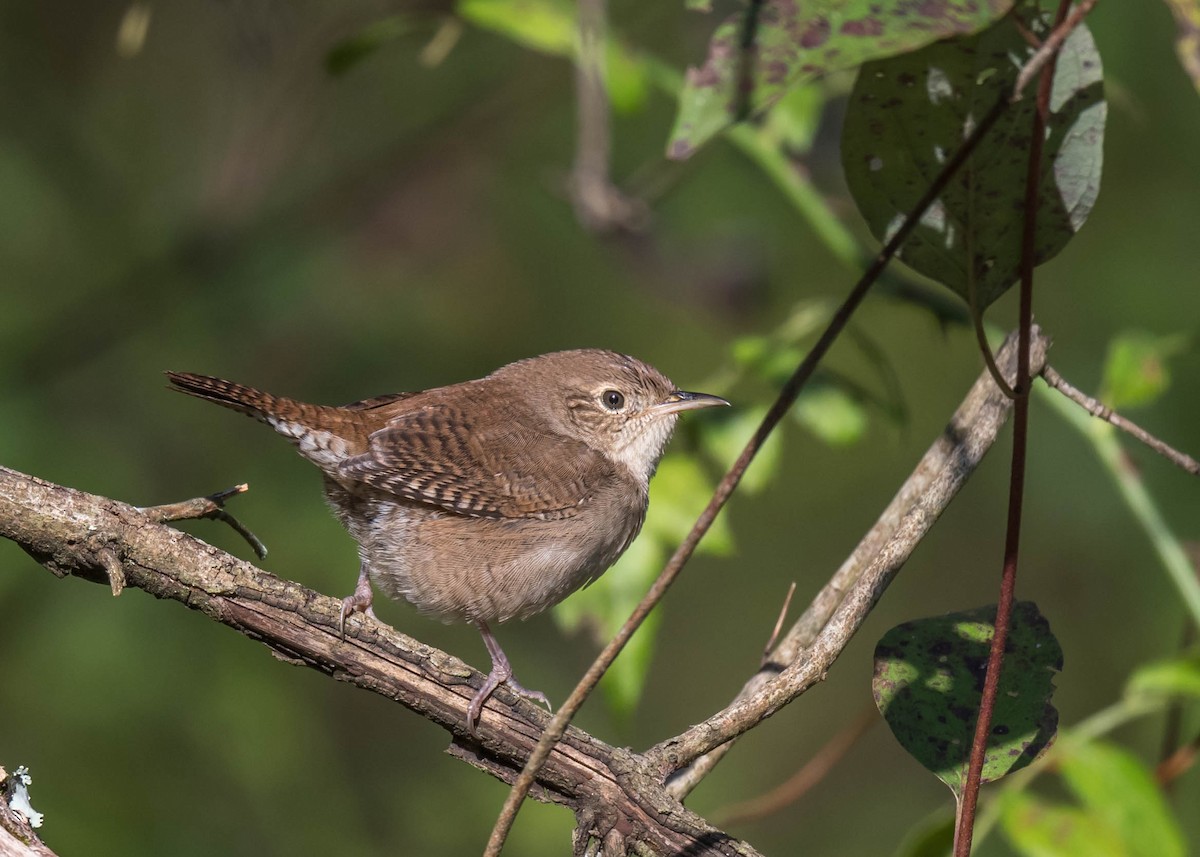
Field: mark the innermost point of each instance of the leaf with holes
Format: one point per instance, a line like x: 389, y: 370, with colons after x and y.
x: 797, y: 42
x: 909, y: 114
x: 929, y: 679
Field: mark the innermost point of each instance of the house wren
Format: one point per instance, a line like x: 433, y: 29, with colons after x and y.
x: 491, y: 499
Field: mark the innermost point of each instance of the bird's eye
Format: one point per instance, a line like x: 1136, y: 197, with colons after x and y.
x: 612, y: 399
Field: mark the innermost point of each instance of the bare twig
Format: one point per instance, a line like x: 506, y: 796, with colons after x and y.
x: 809, y: 775
x: 820, y: 635
x: 1102, y: 411
x: 112, y: 566
x: 1050, y: 47
x: 212, y: 507
x: 769, y: 647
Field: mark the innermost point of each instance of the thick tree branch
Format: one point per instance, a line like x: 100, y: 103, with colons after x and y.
x: 611, y: 791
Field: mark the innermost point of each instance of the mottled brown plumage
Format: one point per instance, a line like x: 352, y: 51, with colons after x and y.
x: 490, y: 499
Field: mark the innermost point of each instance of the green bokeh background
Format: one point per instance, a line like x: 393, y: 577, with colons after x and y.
x: 218, y: 203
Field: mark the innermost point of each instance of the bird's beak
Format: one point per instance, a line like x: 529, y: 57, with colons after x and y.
x: 681, y: 400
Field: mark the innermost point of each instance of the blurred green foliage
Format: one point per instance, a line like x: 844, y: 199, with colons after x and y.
x: 207, y: 196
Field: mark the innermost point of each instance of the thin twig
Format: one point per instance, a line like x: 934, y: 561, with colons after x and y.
x: 1051, y: 45
x: 770, y: 646
x: 112, y: 567
x: 1102, y: 411
x: 803, y: 781
x: 964, y: 822
x: 211, y: 507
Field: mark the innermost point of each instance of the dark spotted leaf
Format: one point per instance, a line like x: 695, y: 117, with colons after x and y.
x: 797, y: 42
x: 909, y: 114
x: 929, y: 679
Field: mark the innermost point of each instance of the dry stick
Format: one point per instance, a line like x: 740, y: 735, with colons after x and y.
x: 803, y: 781
x: 787, y: 602
x: 964, y: 822
x: 815, y: 642
x: 1097, y: 409
x: 787, y: 396
x: 212, y: 507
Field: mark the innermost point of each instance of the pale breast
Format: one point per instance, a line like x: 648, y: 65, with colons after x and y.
x: 491, y: 570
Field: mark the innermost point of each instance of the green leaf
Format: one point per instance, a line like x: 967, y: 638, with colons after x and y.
x: 678, y: 493
x: 931, y: 837
x: 794, y: 120
x: 1135, y: 370
x: 1178, y: 677
x: 928, y: 682
x: 1113, y: 785
x: 831, y: 414
x: 543, y: 25
x: 350, y: 52
x: 627, y: 80
x: 601, y: 608
x: 909, y: 114
x: 1187, y: 40
x: 725, y: 436
x: 551, y: 27
x: 798, y: 42
x: 1037, y: 828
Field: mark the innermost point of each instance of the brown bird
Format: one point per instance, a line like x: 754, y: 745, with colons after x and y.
x: 491, y: 499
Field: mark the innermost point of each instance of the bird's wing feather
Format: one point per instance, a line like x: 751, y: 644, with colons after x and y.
x: 438, y: 455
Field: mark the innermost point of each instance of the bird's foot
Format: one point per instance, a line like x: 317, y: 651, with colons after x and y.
x: 359, y: 602
x: 501, y: 674
x: 534, y: 695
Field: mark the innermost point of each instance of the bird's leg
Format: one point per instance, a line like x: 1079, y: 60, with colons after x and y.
x: 360, y: 601
x: 501, y: 674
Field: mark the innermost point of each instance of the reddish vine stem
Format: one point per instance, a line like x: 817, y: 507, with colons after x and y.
x: 965, y: 822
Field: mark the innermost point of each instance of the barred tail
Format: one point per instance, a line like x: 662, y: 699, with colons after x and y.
x: 324, y: 435
x: 255, y: 403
